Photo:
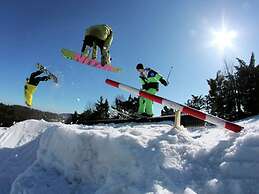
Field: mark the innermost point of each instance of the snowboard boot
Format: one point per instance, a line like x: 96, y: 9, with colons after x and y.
x: 41, y: 67
x: 106, y: 59
x: 49, y: 77
x: 146, y: 115
x: 86, y: 52
x: 142, y: 115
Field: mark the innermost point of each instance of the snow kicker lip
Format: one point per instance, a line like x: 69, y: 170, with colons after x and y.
x: 191, y: 111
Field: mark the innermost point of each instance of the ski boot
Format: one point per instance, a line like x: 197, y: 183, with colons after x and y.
x: 86, y: 52
x: 105, y: 59
x: 41, y: 67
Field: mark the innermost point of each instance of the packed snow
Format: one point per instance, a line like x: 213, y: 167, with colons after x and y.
x: 18, y: 147
x: 41, y: 157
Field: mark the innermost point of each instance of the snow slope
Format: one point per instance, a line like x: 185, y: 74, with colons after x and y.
x: 143, y: 158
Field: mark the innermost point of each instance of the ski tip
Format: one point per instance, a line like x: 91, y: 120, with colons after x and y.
x: 63, y: 50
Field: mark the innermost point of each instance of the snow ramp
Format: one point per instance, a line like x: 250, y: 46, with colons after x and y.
x: 143, y: 158
x: 106, y: 159
x: 18, y: 147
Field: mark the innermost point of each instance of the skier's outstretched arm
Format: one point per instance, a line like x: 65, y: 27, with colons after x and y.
x: 43, y: 78
x: 160, y: 78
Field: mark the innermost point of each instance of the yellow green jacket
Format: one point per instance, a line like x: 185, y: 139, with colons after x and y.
x: 150, y: 79
x: 29, y: 90
x: 99, y: 31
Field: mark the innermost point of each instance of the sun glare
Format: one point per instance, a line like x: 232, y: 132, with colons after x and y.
x: 223, y: 39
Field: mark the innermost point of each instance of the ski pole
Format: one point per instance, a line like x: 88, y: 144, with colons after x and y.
x: 167, y: 79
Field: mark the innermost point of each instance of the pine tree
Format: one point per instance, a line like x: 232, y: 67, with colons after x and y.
x: 129, y: 106
x: 197, y: 102
x: 216, y: 95
x: 167, y: 111
x: 248, y: 85
x: 101, y: 109
x: 75, y: 117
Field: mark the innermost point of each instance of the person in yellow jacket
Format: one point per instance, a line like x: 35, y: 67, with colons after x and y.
x: 101, y: 36
x: 31, y: 85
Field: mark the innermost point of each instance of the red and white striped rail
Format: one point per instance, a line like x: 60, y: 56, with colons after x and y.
x: 191, y: 111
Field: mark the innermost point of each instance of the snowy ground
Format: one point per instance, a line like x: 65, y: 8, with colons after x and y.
x: 41, y: 157
x: 2, y: 130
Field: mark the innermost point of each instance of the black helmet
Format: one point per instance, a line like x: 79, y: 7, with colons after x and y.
x: 140, y: 66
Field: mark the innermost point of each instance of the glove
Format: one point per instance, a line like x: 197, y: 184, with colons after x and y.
x: 163, y: 82
x: 145, y: 86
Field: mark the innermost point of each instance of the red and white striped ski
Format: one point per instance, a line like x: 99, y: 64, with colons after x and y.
x: 190, y: 111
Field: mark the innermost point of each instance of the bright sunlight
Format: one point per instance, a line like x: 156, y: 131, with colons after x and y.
x: 223, y: 38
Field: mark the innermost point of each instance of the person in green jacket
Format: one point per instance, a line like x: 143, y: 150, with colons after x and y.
x: 101, y: 36
x: 150, y: 83
x: 31, y: 85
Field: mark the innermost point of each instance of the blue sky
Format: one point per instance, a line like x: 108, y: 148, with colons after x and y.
x: 156, y: 33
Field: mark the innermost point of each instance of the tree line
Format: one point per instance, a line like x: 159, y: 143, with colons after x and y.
x: 10, y: 114
x: 232, y: 95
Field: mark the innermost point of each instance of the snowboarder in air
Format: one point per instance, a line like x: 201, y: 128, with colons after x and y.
x: 32, y: 83
x: 150, y: 83
x: 101, y: 36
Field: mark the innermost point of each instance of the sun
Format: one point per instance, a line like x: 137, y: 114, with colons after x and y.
x: 223, y: 38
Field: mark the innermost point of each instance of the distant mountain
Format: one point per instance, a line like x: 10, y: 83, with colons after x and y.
x: 9, y: 114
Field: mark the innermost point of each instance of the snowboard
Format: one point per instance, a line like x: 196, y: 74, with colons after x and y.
x: 87, y: 61
x: 52, y: 76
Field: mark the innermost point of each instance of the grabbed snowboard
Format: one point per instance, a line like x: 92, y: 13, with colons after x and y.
x: 51, y: 75
x: 87, y: 61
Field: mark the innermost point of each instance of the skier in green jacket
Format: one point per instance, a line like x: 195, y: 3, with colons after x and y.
x: 150, y: 83
x: 101, y: 36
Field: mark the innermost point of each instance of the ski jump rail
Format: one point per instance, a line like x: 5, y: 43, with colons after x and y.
x: 190, y: 111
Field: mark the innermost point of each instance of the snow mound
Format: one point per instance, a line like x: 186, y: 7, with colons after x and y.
x: 108, y: 160
x: 22, y: 133
x: 150, y: 158
x: 18, y: 147
x: 238, y: 167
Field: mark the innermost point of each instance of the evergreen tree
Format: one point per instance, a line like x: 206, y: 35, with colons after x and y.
x: 86, y: 116
x: 216, y: 95
x: 230, y: 103
x: 248, y: 85
x: 234, y: 95
x: 197, y: 102
x: 75, y: 117
x: 129, y: 106
x: 101, y: 109
x: 167, y: 111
